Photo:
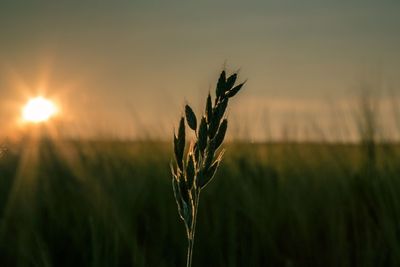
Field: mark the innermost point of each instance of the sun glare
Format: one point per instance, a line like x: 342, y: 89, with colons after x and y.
x: 38, y: 109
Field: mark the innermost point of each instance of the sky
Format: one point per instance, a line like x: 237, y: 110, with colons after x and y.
x: 128, y: 67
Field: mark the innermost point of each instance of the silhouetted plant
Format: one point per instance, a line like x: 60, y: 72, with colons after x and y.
x: 195, y: 170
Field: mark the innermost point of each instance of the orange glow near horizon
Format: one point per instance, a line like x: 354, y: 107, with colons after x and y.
x: 38, y: 110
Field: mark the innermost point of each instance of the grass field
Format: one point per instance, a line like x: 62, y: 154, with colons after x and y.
x: 103, y: 203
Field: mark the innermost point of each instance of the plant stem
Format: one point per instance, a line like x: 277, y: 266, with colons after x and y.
x: 190, y: 252
x: 192, y: 232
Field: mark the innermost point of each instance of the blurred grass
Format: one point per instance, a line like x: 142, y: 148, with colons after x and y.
x: 87, y: 203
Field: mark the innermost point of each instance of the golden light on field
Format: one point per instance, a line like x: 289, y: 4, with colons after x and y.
x: 38, y: 109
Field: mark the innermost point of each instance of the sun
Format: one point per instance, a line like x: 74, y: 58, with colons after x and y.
x: 38, y: 109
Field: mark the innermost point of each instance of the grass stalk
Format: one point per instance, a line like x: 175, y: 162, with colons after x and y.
x: 193, y: 171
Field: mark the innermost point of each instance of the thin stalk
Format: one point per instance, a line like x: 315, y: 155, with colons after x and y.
x: 191, y: 175
x: 191, y: 235
x: 190, y: 252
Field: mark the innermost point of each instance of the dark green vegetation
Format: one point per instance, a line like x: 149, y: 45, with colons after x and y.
x: 111, y: 204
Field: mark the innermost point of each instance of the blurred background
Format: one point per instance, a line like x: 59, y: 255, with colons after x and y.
x: 126, y: 68
x: 90, y: 92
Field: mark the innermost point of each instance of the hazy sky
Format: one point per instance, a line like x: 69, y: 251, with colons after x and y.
x: 126, y: 63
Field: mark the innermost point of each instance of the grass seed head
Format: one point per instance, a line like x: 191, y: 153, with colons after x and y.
x: 209, y: 174
x: 178, y: 197
x: 191, y: 118
x: 179, y: 144
x: 221, y: 85
x: 201, y: 163
x: 234, y: 90
x: 209, y: 108
x: 220, y: 111
x: 210, y: 152
x: 202, y: 138
x: 190, y: 171
x: 184, y: 190
x: 219, y: 138
x: 231, y: 81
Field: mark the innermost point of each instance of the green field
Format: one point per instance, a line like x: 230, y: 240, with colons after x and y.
x: 111, y: 204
